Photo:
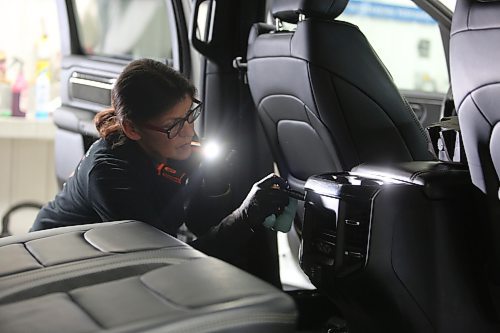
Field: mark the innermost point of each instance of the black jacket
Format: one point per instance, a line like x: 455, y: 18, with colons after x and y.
x: 122, y: 183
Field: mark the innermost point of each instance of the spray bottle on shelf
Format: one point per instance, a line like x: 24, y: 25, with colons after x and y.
x: 42, y: 77
x: 18, y: 90
x: 5, y: 94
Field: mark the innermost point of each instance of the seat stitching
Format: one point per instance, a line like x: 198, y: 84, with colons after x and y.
x: 472, y: 91
x: 74, y: 273
x: 84, y: 310
x: 90, y: 263
x: 468, y: 17
x: 33, y: 255
x: 473, y: 29
x: 230, y: 324
x: 159, y: 295
x: 361, y: 90
x: 479, y: 109
x: 308, y: 113
x: 183, y: 307
x: 345, y: 120
x: 78, y: 229
x: 276, y: 152
x: 318, y: 116
x: 330, y: 7
x: 379, y: 106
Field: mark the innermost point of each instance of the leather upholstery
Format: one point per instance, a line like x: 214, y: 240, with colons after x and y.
x: 475, y: 76
x: 289, y: 10
x: 129, y: 276
x: 326, y: 101
x: 439, y: 179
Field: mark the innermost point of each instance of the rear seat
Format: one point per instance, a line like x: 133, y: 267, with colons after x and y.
x: 127, y: 276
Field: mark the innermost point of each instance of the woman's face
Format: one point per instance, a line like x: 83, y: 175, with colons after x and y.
x: 158, y: 145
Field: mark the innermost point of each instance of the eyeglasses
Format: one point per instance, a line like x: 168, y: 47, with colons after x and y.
x: 173, y: 130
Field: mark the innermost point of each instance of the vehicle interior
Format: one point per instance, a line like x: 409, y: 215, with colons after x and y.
x: 381, y: 113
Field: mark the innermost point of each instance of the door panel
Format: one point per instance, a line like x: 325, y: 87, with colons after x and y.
x: 85, y: 90
x: 87, y: 83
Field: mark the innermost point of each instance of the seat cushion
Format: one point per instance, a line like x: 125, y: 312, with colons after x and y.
x: 129, y: 276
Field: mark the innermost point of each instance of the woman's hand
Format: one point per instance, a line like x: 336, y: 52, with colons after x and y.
x: 264, y: 199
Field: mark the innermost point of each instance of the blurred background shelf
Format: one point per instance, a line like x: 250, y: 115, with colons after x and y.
x: 27, y: 171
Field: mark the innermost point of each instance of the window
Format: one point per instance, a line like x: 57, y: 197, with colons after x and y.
x: 449, y: 3
x: 406, y: 39
x: 127, y: 29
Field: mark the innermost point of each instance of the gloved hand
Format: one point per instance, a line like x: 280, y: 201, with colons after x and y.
x: 284, y: 221
x: 263, y: 200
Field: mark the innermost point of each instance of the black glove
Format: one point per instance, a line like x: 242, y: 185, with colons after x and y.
x: 263, y: 200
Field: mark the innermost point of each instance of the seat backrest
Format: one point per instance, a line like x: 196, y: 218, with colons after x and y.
x: 475, y: 77
x: 326, y: 101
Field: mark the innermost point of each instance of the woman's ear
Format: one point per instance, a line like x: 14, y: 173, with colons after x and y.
x: 130, y: 130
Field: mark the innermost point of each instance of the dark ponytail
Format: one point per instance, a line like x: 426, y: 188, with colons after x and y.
x: 107, y: 124
x: 145, y: 89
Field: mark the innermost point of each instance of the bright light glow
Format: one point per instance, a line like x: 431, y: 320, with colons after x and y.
x: 211, y: 150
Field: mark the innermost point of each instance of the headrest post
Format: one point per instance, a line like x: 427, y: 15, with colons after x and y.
x: 289, y: 11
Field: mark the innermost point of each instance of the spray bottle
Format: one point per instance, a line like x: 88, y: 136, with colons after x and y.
x: 5, y: 94
x: 42, y: 77
x: 18, y: 89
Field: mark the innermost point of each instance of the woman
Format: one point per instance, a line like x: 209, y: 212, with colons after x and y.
x: 127, y: 173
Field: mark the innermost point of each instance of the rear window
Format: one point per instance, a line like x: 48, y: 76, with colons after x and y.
x: 407, y: 40
x: 126, y: 29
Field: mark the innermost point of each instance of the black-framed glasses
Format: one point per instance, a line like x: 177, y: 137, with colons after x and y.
x: 174, y: 129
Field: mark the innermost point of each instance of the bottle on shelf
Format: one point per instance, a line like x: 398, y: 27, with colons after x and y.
x: 5, y: 93
x: 18, y: 90
x: 42, y: 77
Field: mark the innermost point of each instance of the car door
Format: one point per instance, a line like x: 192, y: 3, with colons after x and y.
x: 99, y: 38
x: 411, y: 38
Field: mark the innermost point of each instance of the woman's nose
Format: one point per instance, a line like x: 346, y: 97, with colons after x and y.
x: 187, y: 130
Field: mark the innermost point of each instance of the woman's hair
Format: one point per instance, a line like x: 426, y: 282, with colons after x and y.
x: 145, y: 89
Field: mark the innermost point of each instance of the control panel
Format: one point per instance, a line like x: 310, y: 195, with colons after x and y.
x: 337, y: 221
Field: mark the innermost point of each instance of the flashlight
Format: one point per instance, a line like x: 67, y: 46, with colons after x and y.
x: 211, y: 150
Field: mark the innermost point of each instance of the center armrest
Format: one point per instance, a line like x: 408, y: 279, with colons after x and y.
x: 439, y: 179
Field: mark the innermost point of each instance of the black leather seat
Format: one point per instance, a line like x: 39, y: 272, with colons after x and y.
x: 129, y: 277
x: 326, y: 101
x: 475, y: 77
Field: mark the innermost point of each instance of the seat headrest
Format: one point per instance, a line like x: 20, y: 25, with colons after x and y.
x: 289, y: 10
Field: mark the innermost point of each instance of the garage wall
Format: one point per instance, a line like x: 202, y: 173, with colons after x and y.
x: 27, y: 170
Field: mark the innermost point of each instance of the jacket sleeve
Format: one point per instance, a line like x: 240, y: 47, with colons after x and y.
x: 221, y: 233
x: 116, y: 193
x: 225, y: 240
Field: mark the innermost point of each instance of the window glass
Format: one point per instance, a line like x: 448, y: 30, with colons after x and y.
x: 449, y: 3
x: 406, y: 39
x: 206, y: 11
x: 124, y: 28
